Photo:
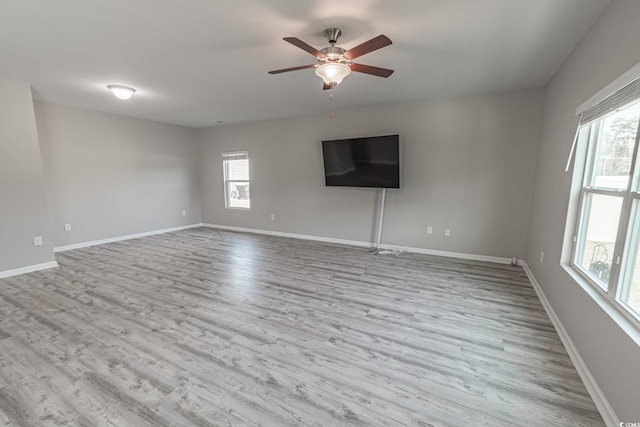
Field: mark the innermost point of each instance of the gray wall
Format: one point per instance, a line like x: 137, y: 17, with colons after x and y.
x: 110, y: 176
x: 23, y: 209
x: 468, y: 164
x: 609, y: 49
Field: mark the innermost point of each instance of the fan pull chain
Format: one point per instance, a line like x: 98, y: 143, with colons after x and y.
x: 333, y: 115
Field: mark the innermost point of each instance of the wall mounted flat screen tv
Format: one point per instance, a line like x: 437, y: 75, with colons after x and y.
x: 362, y: 162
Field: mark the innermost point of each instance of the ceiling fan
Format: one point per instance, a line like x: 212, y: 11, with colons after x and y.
x: 334, y: 63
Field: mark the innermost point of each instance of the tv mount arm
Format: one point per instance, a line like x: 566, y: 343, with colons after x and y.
x: 377, y: 250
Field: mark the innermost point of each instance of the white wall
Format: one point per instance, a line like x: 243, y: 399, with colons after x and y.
x: 110, y: 176
x: 468, y: 165
x: 23, y: 206
x: 608, y: 49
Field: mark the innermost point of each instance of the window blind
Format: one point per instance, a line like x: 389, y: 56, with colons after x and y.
x: 623, y: 96
x: 236, y: 156
x: 622, y: 91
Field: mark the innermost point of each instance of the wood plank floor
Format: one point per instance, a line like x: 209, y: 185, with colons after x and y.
x: 204, y: 327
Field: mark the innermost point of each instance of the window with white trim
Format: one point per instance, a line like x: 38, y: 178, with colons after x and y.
x: 606, y: 251
x: 236, y: 180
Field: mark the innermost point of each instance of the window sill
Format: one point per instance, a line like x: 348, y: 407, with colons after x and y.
x: 237, y: 208
x: 616, y: 312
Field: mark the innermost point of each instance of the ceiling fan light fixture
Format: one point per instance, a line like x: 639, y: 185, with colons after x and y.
x: 122, y: 92
x: 332, y: 73
x: 335, y: 63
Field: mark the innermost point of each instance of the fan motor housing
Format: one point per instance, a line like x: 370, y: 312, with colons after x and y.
x: 333, y: 53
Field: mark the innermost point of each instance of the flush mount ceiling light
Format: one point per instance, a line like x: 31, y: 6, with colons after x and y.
x: 122, y: 92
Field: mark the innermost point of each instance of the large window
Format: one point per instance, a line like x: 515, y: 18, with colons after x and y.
x: 236, y: 180
x: 607, y: 238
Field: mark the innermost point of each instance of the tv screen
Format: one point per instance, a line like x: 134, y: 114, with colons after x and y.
x: 362, y: 162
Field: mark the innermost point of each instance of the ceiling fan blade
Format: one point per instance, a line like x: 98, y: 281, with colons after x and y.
x: 286, y: 70
x: 304, y: 46
x: 374, y: 71
x: 369, y: 46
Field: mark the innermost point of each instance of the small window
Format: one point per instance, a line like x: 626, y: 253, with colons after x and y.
x: 236, y: 180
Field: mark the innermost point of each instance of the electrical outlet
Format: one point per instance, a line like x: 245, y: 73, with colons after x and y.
x: 429, y: 230
x: 67, y: 227
x: 273, y: 217
x: 541, y: 257
x: 184, y: 213
x: 37, y: 241
x: 447, y: 232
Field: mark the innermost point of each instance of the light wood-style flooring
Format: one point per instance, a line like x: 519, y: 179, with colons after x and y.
x: 212, y: 328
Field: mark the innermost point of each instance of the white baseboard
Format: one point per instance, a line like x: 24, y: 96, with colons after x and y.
x: 291, y: 235
x: 604, y: 407
x: 474, y: 257
x: 498, y: 260
x: 28, y: 269
x: 121, y: 238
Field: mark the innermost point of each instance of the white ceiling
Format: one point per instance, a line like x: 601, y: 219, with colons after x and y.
x: 196, y: 62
